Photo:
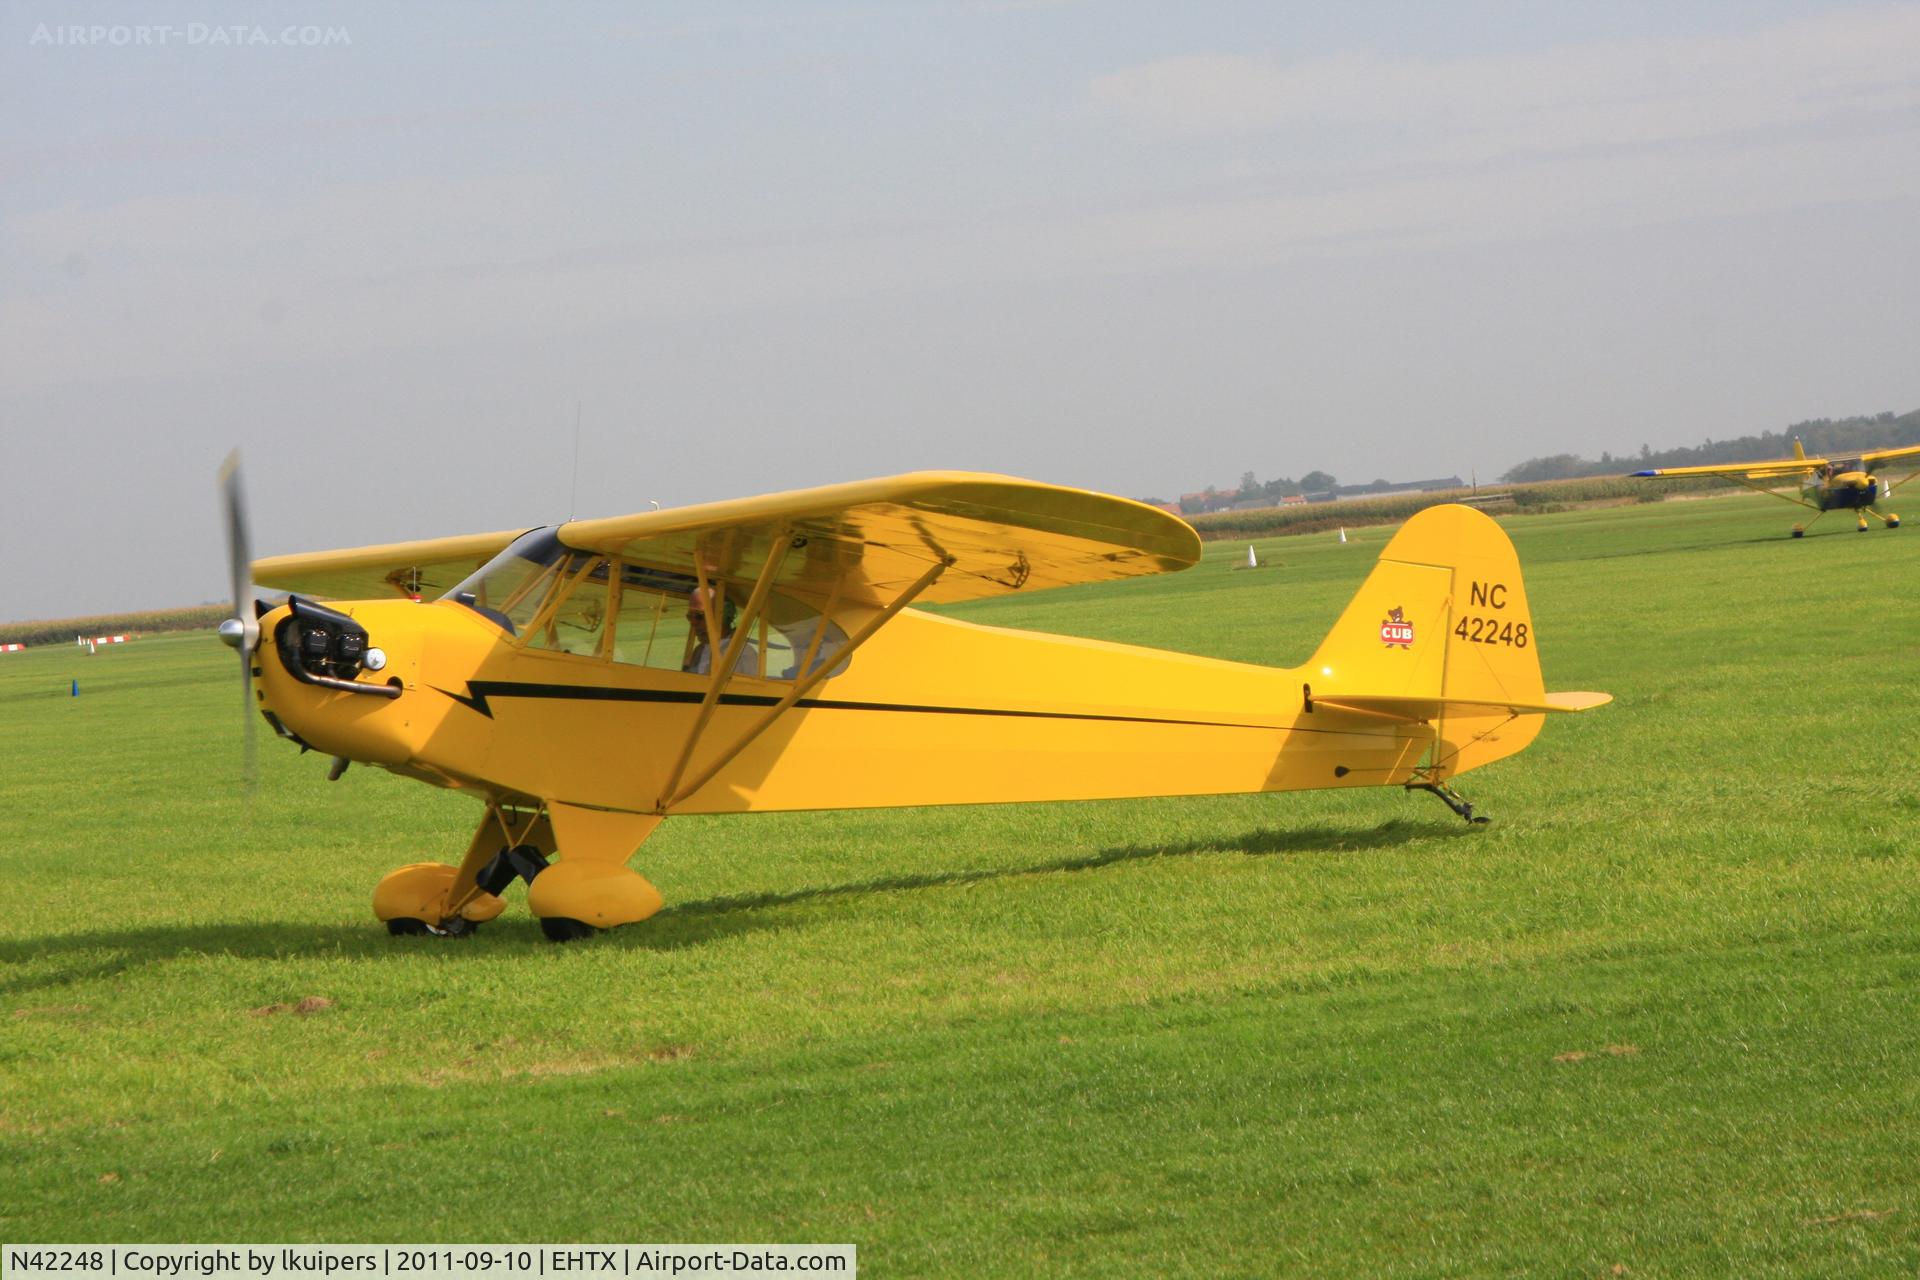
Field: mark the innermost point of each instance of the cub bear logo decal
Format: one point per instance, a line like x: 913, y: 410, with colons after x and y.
x: 1396, y: 630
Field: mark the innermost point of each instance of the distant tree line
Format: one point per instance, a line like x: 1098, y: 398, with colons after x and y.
x: 1272, y: 491
x: 1828, y: 437
x: 1820, y: 436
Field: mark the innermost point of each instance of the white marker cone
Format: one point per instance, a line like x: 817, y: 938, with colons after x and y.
x: 1343, y: 533
x: 1253, y: 562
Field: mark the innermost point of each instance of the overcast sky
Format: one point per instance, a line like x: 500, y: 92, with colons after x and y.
x: 1132, y: 247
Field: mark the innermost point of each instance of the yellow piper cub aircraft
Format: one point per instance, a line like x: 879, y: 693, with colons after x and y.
x: 586, y: 680
x: 1826, y: 484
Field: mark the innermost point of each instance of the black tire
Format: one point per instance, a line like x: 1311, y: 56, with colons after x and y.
x: 406, y: 927
x: 561, y: 929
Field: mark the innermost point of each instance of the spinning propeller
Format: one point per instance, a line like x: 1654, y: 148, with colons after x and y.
x: 242, y: 630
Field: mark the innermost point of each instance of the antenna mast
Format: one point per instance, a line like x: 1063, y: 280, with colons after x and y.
x: 573, y: 498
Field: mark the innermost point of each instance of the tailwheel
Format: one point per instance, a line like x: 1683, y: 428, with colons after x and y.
x: 561, y: 929
x: 1799, y: 531
x: 1862, y: 526
x: 1452, y: 799
x: 1893, y: 522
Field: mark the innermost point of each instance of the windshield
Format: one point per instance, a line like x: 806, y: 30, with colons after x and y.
x: 511, y: 587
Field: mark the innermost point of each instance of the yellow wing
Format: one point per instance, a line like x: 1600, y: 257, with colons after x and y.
x: 1751, y: 470
x: 870, y: 539
x: 1778, y: 467
x: 426, y: 569
x: 865, y: 541
x: 1888, y: 455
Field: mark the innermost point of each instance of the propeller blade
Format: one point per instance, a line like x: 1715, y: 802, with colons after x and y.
x: 242, y: 630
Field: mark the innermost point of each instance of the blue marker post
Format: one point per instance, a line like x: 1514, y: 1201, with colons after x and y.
x: 76, y: 688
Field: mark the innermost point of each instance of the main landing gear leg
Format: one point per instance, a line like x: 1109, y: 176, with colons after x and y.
x: 1451, y: 798
x: 588, y: 889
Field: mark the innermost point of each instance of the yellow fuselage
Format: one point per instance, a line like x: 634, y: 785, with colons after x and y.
x: 930, y: 711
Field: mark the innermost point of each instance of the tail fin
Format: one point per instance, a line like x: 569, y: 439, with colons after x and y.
x: 1441, y: 632
x: 1799, y: 452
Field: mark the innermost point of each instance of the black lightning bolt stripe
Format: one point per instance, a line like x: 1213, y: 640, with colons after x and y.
x: 480, y: 691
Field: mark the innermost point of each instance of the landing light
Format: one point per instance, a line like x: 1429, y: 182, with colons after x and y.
x: 374, y: 659
x: 1326, y: 671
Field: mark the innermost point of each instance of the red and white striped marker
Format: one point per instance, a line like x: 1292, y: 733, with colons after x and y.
x: 11, y: 648
x: 110, y: 639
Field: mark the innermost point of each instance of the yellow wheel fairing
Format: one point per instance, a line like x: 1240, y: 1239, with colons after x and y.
x: 421, y: 891
x: 601, y: 894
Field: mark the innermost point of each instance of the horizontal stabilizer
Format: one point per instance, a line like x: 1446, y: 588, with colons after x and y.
x: 1581, y: 700
x: 1423, y: 709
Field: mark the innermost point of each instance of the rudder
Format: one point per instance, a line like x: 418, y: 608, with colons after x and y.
x: 1441, y: 631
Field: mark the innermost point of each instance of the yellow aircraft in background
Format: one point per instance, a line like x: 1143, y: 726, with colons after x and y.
x: 1826, y: 484
x: 587, y: 680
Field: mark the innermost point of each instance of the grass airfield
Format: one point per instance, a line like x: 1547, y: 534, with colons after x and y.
x: 1661, y: 1015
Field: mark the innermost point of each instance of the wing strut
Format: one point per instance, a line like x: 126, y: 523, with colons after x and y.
x: 711, y: 606
x: 722, y: 667
x: 1747, y: 483
x: 805, y: 685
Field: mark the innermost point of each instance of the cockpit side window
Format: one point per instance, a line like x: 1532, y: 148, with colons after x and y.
x: 654, y: 627
x: 650, y: 625
x: 554, y: 598
x: 797, y: 633
x: 574, y: 618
